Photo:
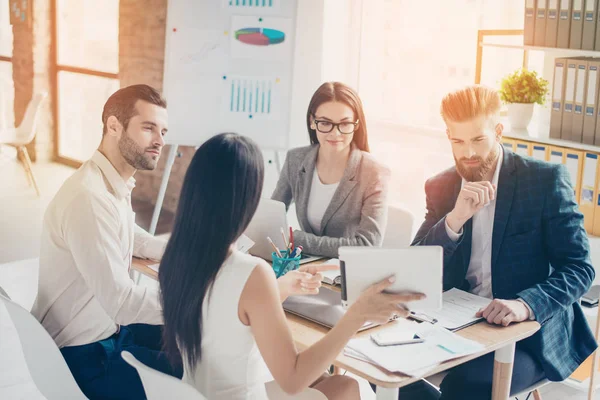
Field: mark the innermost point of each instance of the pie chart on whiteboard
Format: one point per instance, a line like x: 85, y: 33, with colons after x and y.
x: 259, y: 36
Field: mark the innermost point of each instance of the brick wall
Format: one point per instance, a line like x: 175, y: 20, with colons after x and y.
x: 31, y: 73
x: 141, y: 57
x: 23, y: 74
x: 41, y: 79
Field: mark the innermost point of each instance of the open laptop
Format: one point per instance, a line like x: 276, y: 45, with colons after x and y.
x: 268, y: 220
x: 324, y: 308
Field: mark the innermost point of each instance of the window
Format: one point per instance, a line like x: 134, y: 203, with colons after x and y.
x: 410, y: 57
x: 7, y: 91
x: 87, y: 64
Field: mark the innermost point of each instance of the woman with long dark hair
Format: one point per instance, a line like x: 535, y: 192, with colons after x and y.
x: 222, y: 308
x: 340, y: 190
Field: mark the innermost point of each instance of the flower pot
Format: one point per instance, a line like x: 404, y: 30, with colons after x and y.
x: 519, y: 114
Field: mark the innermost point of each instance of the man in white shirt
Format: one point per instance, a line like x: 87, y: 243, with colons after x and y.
x: 86, y: 298
x: 511, y: 231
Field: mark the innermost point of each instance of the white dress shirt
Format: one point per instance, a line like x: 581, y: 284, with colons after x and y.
x: 479, y: 273
x: 318, y: 201
x: 88, y: 238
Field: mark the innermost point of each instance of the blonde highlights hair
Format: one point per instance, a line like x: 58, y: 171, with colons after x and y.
x: 470, y: 102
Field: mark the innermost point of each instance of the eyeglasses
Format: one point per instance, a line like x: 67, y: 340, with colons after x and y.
x: 345, y: 128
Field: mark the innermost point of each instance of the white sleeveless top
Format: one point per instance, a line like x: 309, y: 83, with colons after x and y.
x: 231, y: 367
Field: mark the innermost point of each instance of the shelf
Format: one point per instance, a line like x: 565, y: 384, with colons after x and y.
x: 525, y: 135
x: 545, y: 49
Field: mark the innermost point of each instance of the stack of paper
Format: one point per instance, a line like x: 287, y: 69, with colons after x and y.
x: 244, y: 244
x: 414, y: 359
x: 458, y: 310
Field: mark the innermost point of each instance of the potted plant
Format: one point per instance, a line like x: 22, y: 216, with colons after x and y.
x: 520, y: 91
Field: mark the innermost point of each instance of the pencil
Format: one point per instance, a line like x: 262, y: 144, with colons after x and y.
x: 285, y: 241
x: 274, y: 247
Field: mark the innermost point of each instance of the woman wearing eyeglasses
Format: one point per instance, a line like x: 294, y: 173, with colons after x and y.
x: 340, y: 190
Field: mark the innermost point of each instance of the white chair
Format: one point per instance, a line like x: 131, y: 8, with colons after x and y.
x: 46, y: 364
x: 399, y: 231
x: 160, y: 386
x: 534, y: 389
x: 23, y: 134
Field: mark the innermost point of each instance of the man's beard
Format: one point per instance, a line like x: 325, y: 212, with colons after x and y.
x: 135, y: 155
x: 477, y: 174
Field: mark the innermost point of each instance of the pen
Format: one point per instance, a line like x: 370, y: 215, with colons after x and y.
x: 274, y: 247
x: 423, y: 317
x: 291, y: 239
x: 297, y: 251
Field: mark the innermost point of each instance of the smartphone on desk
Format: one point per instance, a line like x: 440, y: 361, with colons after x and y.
x: 393, y: 339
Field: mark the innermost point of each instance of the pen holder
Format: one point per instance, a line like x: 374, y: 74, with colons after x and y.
x: 282, y: 265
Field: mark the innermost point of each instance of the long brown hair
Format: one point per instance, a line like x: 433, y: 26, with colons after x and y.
x: 337, y: 91
x: 231, y: 168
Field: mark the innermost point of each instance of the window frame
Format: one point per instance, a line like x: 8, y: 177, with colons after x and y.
x: 55, y: 69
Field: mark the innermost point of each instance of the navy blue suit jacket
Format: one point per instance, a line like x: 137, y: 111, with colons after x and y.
x: 540, y: 253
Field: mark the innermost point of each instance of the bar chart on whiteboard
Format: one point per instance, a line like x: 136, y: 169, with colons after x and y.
x: 253, y: 3
x: 251, y: 97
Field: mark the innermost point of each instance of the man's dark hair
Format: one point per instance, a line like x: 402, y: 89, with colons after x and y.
x: 122, y: 103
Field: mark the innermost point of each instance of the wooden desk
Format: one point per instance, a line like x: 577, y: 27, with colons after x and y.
x: 495, y: 339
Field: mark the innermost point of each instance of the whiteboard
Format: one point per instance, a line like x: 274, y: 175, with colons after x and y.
x: 229, y: 68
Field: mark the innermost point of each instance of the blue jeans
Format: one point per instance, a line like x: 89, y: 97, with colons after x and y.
x: 100, y: 371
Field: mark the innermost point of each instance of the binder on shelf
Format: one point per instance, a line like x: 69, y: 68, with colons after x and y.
x: 539, y: 151
x: 569, y: 98
x: 574, y: 164
x: 597, y: 131
x: 564, y: 24
x: 540, y: 24
x: 589, y: 25
x: 509, y: 144
x: 558, y: 94
x: 597, y: 40
x: 580, y: 85
x: 556, y: 155
x: 596, y: 225
x: 529, y: 31
x: 551, y: 23
x: 523, y: 148
x: 589, y: 184
x: 591, y: 101
x: 576, y: 25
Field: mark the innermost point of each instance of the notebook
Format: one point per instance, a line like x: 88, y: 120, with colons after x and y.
x: 333, y: 277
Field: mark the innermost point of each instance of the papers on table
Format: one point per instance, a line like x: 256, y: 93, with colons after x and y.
x: 244, y: 243
x: 458, y: 310
x: 333, y: 277
x: 414, y: 359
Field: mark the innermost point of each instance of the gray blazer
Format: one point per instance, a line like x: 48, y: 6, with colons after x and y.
x: 357, y: 213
